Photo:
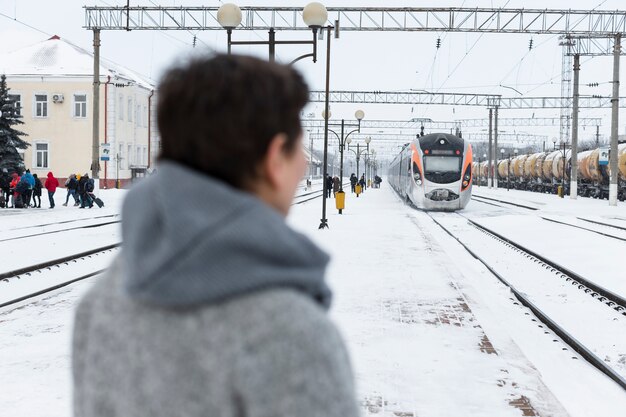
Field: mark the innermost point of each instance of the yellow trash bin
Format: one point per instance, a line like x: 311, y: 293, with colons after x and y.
x: 357, y: 189
x: 560, y: 191
x: 340, y: 201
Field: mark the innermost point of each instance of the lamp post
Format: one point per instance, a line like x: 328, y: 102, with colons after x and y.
x: 314, y: 15
x: 359, y: 152
x: 344, y: 138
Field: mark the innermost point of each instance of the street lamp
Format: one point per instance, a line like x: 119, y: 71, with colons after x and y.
x: 359, y: 152
x: 314, y: 15
x: 344, y: 138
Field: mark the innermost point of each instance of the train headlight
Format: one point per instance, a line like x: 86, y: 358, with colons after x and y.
x: 465, y: 183
x: 418, y: 182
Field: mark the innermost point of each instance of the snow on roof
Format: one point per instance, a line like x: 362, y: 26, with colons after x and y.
x: 56, y: 57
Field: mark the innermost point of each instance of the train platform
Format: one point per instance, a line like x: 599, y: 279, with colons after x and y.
x: 430, y: 329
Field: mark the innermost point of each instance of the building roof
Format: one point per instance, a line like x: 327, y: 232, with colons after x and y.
x: 56, y: 57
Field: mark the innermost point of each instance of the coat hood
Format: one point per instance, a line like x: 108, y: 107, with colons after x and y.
x: 189, y: 239
x: 50, y: 175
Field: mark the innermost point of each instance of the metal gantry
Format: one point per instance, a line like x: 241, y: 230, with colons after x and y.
x: 415, y: 124
x: 404, y: 19
x: 459, y: 99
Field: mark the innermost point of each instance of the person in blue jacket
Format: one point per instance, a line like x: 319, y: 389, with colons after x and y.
x: 30, y: 180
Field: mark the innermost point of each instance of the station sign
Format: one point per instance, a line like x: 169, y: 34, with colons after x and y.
x: 105, y: 151
x: 603, y: 156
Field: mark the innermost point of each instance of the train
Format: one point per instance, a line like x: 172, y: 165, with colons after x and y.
x: 434, y: 172
x: 545, y: 172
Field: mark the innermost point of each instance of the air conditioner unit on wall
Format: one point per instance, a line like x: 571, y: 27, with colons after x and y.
x: 57, y: 98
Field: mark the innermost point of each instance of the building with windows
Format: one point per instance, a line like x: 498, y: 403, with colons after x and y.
x: 52, y: 84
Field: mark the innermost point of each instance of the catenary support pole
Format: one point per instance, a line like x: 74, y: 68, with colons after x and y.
x: 614, y: 122
x: 495, y: 147
x: 324, y: 221
x: 95, y: 144
x: 490, y: 156
x: 342, y: 142
x: 573, y: 188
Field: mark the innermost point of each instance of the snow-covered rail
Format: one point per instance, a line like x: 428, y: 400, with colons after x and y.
x: 588, y: 328
x: 24, y: 283
x: 58, y: 230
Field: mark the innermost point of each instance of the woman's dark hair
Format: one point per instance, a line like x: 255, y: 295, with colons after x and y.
x: 218, y: 114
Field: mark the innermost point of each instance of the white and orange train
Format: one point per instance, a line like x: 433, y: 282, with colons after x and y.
x: 434, y: 172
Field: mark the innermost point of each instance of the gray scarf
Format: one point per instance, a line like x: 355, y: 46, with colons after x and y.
x: 191, y: 240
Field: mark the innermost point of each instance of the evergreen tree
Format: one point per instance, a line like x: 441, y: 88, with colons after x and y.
x: 10, y: 139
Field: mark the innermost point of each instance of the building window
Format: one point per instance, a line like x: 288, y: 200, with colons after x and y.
x: 17, y: 103
x: 130, y: 109
x: 80, y: 105
x: 129, y: 154
x: 145, y: 116
x: 41, y: 155
x: 138, y: 115
x: 41, y: 105
x: 121, y: 107
x: 138, y: 161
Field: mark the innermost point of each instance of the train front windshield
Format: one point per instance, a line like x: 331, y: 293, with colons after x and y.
x: 442, y: 164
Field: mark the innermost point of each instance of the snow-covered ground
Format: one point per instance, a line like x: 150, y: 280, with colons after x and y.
x: 430, y: 330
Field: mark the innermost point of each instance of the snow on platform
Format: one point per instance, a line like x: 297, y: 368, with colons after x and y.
x: 431, y: 332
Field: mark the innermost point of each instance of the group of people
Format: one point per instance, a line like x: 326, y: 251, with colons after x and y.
x: 332, y: 185
x: 80, y: 188
x: 25, y: 191
x: 360, y: 181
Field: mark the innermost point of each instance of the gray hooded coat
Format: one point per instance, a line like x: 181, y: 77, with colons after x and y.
x: 214, y: 307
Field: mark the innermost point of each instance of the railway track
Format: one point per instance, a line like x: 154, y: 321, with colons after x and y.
x: 58, y: 267
x: 609, y: 235
x: 314, y: 194
x: 87, y: 226
x: 61, y: 222
x: 482, y: 198
x: 62, y: 265
x: 614, y: 301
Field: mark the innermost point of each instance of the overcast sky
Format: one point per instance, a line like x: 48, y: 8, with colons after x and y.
x: 466, y: 62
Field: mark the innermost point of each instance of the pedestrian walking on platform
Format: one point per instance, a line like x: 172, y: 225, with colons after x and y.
x: 353, y: 181
x: 37, y: 192
x: 362, y: 182
x: 85, y: 187
x: 336, y: 185
x: 215, y: 306
x: 30, y: 181
x: 5, y: 186
x: 329, y: 186
x: 51, y: 185
x: 72, y: 186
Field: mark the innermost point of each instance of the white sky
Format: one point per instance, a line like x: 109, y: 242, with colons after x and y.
x: 466, y: 62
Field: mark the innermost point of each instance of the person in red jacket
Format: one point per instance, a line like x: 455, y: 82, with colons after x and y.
x: 15, y: 180
x: 51, y: 185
